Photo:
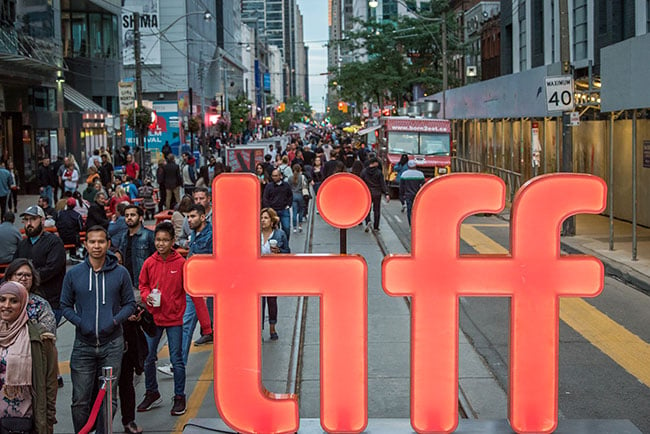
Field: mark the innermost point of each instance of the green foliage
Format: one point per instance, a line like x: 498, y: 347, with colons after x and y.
x: 142, y: 119
x: 400, y: 55
x: 295, y: 110
x: 239, y: 114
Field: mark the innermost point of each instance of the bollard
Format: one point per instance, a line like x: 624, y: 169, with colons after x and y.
x: 108, y: 378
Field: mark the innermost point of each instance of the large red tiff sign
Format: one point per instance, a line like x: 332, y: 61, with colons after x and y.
x: 534, y: 275
x: 237, y: 276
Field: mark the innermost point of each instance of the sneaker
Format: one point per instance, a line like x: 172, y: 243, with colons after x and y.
x: 295, y: 230
x: 404, y: 208
x: 367, y: 229
x: 376, y: 230
x: 204, y: 339
x: 59, y: 381
x: 299, y: 228
x: 151, y: 400
x: 166, y: 369
x: 132, y: 428
x: 179, y: 406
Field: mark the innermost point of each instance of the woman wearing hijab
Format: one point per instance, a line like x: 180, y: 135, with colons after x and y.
x: 28, y: 366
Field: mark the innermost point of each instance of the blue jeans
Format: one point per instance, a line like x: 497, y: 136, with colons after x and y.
x: 189, y: 324
x: 298, y: 207
x: 47, y: 192
x: 174, y: 342
x: 86, y: 363
x: 285, y: 221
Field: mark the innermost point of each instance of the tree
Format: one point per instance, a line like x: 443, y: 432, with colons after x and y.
x: 295, y: 110
x: 239, y: 114
x: 400, y: 55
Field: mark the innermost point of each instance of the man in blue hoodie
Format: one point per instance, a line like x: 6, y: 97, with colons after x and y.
x: 97, y: 297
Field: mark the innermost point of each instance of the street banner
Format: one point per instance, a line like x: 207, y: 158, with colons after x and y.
x: 126, y: 92
x: 165, y: 128
x: 149, y: 31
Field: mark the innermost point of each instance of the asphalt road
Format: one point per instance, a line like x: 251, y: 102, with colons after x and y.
x: 599, y: 375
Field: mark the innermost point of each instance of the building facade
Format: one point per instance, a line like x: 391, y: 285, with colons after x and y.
x: 503, y: 125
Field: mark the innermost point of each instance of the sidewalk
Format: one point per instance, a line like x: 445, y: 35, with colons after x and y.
x: 592, y: 238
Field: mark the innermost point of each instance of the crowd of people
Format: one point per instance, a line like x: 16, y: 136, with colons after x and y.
x: 88, y: 257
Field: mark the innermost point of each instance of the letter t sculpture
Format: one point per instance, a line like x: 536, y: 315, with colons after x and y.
x: 237, y: 276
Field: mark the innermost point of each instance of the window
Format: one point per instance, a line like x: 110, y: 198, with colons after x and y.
x: 580, y: 29
x: 521, y: 11
x: 418, y: 143
x: 79, y: 35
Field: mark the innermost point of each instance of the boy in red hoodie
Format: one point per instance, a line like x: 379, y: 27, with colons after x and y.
x: 161, y: 289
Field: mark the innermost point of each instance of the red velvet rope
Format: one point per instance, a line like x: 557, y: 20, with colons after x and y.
x: 95, y: 411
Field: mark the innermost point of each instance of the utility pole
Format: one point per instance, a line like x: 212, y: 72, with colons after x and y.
x: 138, y: 87
x: 444, y: 65
x: 190, y: 120
x: 569, y: 225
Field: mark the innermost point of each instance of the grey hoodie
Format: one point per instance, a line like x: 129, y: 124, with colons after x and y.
x: 97, y: 303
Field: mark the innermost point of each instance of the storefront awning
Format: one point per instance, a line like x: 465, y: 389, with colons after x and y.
x: 79, y: 100
x: 368, y: 130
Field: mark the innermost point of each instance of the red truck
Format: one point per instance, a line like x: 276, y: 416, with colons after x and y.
x: 425, y: 140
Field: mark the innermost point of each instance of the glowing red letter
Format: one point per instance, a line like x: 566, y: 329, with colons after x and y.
x: 534, y: 275
x: 237, y: 276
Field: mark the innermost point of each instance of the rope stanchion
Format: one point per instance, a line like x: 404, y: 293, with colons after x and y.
x: 106, y: 389
x: 95, y: 410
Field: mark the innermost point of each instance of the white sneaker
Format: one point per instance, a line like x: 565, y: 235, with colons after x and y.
x: 166, y: 369
x: 295, y: 230
x: 299, y: 228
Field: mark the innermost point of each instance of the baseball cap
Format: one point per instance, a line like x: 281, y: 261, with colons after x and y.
x: 71, y: 201
x: 412, y: 164
x: 34, y: 211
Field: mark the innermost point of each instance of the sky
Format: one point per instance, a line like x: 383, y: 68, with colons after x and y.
x: 314, y: 13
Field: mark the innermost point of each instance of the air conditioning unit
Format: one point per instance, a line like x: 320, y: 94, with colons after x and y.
x: 471, y: 71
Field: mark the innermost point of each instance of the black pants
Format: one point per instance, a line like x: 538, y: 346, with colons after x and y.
x: 376, y: 212
x: 162, y: 198
x: 3, y: 206
x: 273, y: 309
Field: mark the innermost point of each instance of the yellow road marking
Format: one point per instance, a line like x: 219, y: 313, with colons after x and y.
x: 198, y: 395
x: 624, y: 347
x: 479, y: 241
x: 490, y: 225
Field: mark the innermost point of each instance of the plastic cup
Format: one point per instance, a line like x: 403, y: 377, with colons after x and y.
x: 155, y: 295
x: 273, y: 243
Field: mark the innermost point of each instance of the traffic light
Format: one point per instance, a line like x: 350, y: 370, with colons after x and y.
x: 343, y: 106
x: 282, y: 107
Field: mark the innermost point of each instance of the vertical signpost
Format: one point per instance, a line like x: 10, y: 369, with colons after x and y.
x: 569, y: 225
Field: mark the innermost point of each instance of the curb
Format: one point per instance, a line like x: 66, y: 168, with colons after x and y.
x: 613, y: 268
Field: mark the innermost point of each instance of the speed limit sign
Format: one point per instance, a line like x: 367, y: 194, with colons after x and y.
x: 559, y: 93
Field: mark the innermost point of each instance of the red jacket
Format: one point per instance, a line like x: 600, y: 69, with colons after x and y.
x: 168, y: 276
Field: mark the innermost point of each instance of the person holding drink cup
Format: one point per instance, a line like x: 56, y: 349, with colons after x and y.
x: 161, y: 289
x: 273, y: 240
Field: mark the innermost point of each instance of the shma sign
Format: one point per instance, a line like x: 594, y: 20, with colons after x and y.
x: 534, y: 275
x: 146, y: 21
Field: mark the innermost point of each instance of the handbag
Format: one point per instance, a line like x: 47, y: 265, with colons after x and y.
x: 16, y: 425
x: 305, y: 190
